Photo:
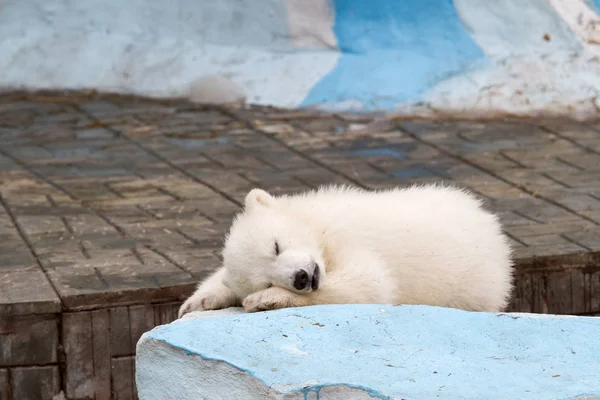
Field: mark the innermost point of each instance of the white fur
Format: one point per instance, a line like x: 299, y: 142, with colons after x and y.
x: 431, y: 245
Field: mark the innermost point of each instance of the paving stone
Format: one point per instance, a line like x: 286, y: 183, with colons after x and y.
x: 5, y: 385
x: 101, y: 350
x: 29, y: 340
x: 24, y: 292
x: 35, y: 383
x: 123, y: 379
x: 587, y: 238
x: 77, y: 329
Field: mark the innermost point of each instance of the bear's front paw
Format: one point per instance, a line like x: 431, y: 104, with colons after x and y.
x: 272, y: 298
x: 206, y: 302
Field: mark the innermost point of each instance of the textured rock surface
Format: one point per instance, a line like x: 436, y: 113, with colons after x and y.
x: 370, y: 351
x: 216, y: 89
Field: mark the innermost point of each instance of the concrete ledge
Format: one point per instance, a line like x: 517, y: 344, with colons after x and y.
x: 370, y: 351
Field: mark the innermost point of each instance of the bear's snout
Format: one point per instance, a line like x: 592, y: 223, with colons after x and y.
x: 303, y: 280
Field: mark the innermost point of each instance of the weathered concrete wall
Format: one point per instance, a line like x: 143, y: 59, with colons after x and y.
x: 429, y: 56
x: 371, y: 351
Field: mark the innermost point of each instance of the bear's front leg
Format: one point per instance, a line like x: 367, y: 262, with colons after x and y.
x: 273, y: 298
x: 211, y: 294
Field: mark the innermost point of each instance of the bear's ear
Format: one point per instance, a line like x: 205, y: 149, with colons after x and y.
x: 258, y: 197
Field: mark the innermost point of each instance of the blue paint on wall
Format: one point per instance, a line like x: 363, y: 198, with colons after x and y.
x: 595, y: 4
x: 394, y: 50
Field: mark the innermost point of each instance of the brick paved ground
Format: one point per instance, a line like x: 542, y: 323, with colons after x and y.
x: 110, y: 202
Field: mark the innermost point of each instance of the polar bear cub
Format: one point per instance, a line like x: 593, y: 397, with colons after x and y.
x: 430, y: 245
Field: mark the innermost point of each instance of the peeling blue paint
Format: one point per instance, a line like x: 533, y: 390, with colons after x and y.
x: 317, y: 389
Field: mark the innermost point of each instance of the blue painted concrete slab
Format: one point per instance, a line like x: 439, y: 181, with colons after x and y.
x: 410, y: 352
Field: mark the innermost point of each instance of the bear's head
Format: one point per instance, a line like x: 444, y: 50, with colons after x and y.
x: 270, y: 245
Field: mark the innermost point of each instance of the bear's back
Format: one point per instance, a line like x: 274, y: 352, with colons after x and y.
x: 433, y: 239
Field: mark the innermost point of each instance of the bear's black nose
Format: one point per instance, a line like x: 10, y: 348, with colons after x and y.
x: 301, y: 280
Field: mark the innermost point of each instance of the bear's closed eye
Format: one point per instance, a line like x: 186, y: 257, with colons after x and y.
x: 276, y: 248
